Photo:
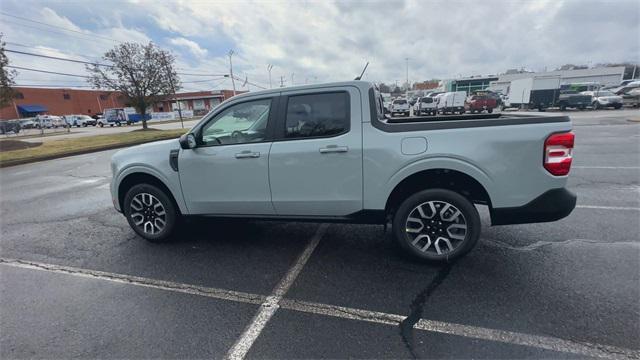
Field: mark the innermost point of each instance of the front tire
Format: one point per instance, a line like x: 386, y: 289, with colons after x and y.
x: 150, y: 212
x: 436, y: 225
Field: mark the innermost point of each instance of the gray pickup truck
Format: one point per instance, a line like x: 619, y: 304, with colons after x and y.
x: 329, y: 153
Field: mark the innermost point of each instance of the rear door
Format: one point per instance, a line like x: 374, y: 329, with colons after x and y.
x: 315, y: 162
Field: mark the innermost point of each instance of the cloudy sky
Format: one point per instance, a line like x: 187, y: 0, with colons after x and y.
x: 320, y: 41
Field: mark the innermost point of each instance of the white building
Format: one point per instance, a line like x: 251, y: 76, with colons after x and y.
x: 603, y: 76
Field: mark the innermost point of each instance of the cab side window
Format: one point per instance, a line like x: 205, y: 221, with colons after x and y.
x: 241, y: 123
x: 317, y: 115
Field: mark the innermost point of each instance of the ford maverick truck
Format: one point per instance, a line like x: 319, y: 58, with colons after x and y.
x: 329, y: 153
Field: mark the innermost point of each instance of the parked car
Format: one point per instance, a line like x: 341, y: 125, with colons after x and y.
x: 451, y: 102
x: 631, y: 98
x: 49, y: 121
x: 344, y: 161
x: 479, y: 103
x: 79, y: 120
x: 604, y: 98
x: 425, y: 106
x: 9, y: 126
x: 625, y: 88
x: 573, y: 99
x: 28, y: 123
x: 400, y: 106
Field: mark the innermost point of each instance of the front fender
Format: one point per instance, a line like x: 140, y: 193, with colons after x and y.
x: 173, y: 183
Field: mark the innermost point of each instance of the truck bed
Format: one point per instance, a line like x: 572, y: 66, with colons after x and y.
x: 415, y: 123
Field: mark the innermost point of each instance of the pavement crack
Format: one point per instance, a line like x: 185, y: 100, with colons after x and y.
x: 417, y: 308
x: 541, y: 244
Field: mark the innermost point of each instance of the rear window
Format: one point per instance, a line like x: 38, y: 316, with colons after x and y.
x: 317, y: 115
x: 426, y: 100
x: 400, y: 102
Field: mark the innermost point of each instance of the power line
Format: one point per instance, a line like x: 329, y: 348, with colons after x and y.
x: 48, y: 48
x: 51, y: 31
x: 100, y: 64
x: 47, y: 72
x: 57, y: 58
x: 58, y: 27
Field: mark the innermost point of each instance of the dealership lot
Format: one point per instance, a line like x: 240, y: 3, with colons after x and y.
x: 77, y: 282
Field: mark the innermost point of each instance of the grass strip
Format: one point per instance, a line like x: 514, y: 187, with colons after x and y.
x: 83, y: 145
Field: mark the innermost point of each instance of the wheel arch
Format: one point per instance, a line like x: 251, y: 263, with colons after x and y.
x: 140, y: 177
x: 443, y: 178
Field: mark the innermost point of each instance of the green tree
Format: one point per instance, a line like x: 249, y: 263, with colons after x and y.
x: 144, y: 74
x: 6, y: 78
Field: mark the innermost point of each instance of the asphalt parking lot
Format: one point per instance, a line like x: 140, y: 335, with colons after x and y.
x: 75, y: 281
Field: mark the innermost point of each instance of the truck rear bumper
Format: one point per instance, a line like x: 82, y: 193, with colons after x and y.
x: 553, y: 205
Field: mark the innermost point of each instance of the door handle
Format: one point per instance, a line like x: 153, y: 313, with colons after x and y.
x: 247, y: 155
x: 333, y: 149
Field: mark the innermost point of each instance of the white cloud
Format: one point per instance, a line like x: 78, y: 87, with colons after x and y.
x: 328, y: 41
x: 192, y: 46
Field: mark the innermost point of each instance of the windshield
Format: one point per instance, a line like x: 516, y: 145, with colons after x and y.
x: 604, y: 93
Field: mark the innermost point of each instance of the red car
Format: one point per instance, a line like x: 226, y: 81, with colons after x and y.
x: 479, y: 103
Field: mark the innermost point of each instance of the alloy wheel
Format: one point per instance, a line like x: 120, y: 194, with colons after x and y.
x: 148, y: 213
x: 436, y: 227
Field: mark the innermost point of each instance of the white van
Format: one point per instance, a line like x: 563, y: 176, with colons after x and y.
x: 425, y: 105
x: 451, y: 102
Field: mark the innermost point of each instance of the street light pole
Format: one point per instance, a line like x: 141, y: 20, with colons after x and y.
x: 233, y: 82
x: 269, y: 67
x: 407, y: 59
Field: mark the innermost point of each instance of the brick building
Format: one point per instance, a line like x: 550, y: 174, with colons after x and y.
x: 33, y: 101
x: 57, y: 101
x: 198, y: 101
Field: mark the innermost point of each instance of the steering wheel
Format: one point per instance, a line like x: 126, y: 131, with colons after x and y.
x: 237, y: 136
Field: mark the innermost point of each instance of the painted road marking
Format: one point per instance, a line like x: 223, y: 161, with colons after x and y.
x: 475, y: 332
x: 607, y: 207
x: 221, y: 294
x: 240, y: 349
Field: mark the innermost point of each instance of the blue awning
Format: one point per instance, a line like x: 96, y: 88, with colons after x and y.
x: 32, y: 108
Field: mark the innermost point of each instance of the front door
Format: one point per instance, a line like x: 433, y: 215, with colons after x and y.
x: 315, y: 162
x: 228, y: 172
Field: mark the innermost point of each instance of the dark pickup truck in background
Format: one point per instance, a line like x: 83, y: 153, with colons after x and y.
x: 573, y: 99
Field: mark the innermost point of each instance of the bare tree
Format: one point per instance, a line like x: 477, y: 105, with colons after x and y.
x: 144, y: 74
x: 6, y: 78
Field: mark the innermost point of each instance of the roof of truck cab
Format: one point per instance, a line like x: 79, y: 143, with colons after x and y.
x: 362, y: 85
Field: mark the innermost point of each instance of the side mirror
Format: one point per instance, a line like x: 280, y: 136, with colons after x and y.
x: 188, y: 141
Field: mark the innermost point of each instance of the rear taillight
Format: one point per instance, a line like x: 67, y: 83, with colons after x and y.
x: 557, y: 153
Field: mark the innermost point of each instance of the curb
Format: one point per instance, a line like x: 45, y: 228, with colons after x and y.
x: 10, y: 163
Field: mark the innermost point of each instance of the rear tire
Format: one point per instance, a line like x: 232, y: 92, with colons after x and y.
x: 436, y: 225
x: 150, y: 212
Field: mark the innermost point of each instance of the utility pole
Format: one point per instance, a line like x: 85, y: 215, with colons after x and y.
x: 233, y: 82
x: 269, y: 67
x: 282, y: 81
x: 292, y: 74
x: 407, y: 59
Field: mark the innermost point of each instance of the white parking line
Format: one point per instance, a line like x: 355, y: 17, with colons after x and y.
x: 467, y: 331
x: 607, y: 207
x: 240, y: 349
x: 508, y: 337
x: 221, y: 294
